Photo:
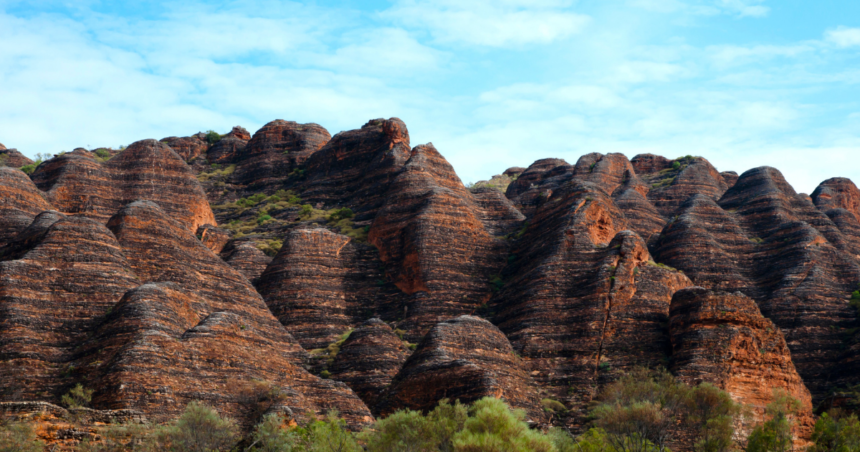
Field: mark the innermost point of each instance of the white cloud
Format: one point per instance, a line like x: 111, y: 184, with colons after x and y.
x: 745, y: 8
x: 843, y: 36
x: 490, y: 23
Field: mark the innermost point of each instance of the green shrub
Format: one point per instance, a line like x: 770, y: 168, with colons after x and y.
x: 676, y: 165
x: 836, y: 431
x: 272, y: 435
x: 263, y: 218
x: 212, y: 137
x: 199, y: 429
x: 341, y: 214
x: 306, y: 210
x: 77, y: 397
x: 553, y: 406
x: 492, y: 425
x: 102, y: 154
x: 330, y: 435
x: 593, y: 440
x: 29, y: 169
x: 774, y: 435
x: 17, y: 437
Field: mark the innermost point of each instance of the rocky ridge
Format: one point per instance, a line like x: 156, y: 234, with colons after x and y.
x: 290, y: 252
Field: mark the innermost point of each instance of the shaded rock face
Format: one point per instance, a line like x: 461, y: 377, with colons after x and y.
x: 56, y: 283
x: 146, y: 170
x: 581, y: 300
x: 428, y: 210
x: 308, y: 284
x: 214, y: 238
x: 722, y: 338
x: 466, y: 358
x: 275, y: 151
x: 195, y: 326
x: 369, y: 359
x: 356, y: 167
x: 13, y: 158
x: 838, y: 193
x: 189, y: 148
x: 769, y: 243
x: 245, y: 257
x: 20, y: 202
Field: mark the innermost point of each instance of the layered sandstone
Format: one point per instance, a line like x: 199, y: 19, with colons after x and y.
x: 13, y: 158
x: 189, y: 148
x: 722, y: 338
x: 369, y: 359
x: 146, y: 170
x: 245, y: 257
x: 20, y: 202
x: 464, y: 359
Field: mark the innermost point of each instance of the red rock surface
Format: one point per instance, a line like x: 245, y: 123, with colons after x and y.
x: 838, y: 193
x: 245, y: 257
x: 20, y: 202
x: 464, y: 359
x: 369, y: 359
x: 189, y: 148
x: 436, y: 248
x: 722, y: 338
x: 13, y: 158
x: 146, y: 170
x: 214, y: 238
x: 193, y: 328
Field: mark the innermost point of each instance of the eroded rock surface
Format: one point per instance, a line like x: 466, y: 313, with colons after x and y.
x: 722, y: 338
x: 464, y: 359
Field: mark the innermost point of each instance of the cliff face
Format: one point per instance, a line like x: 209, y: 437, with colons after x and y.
x: 722, y: 338
x: 176, y: 270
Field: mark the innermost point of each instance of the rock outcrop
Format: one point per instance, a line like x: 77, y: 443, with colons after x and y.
x: 245, y: 257
x: 189, y: 148
x: 13, y: 158
x: 464, y: 359
x: 722, y: 338
x: 146, y: 170
x: 20, y: 202
x: 369, y: 359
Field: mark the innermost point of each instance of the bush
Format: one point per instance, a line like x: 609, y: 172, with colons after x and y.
x: 199, y: 429
x: 774, y: 435
x: 836, y: 432
x: 594, y: 440
x: 329, y: 435
x: 119, y: 438
x: 676, y: 165
x: 19, y: 438
x: 341, y: 214
x: 77, y: 397
x: 212, y: 137
x: 263, y: 218
x: 409, y: 430
x: 257, y: 397
x: 492, y: 425
x: 553, y: 406
x: 272, y: 435
x: 306, y: 210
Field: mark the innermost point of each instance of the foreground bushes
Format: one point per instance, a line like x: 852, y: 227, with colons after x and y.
x: 644, y: 411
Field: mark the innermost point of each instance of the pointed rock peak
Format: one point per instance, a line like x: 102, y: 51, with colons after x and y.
x: 755, y: 183
x: 240, y: 133
x: 838, y: 193
x: 2, y: 148
x: 426, y: 157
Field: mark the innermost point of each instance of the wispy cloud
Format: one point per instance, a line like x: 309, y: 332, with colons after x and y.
x: 490, y: 23
x: 843, y: 36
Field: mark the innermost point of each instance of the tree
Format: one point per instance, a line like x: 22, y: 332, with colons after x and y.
x: 17, y: 437
x: 774, y: 435
x: 77, y: 397
x: 836, y: 432
x: 492, y: 426
x: 710, y: 412
x: 330, y: 435
x: 272, y: 435
x: 593, y: 440
x: 199, y: 429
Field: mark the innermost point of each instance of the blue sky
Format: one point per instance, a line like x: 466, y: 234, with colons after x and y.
x: 492, y: 84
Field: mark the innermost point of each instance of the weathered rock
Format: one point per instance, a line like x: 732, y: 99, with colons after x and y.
x: 693, y: 176
x: 20, y: 202
x: 275, y: 151
x: 229, y: 148
x: 60, y: 282
x: 838, y: 193
x: 464, y: 359
x: 214, y: 238
x: 356, y: 167
x: 650, y: 163
x: 581, y: 300
x: 189, y: 148
x: 764, y: 240
x: 430, y: 235
x: 13, y: 158
x: 194, y: 329
x: 722, y: 338
x: 245, y: 257
x: 536, y: 183
x: 369, y: 359
x: 146, y: 170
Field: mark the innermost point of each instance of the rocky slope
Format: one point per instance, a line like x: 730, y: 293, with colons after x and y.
x: 357, y: 272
